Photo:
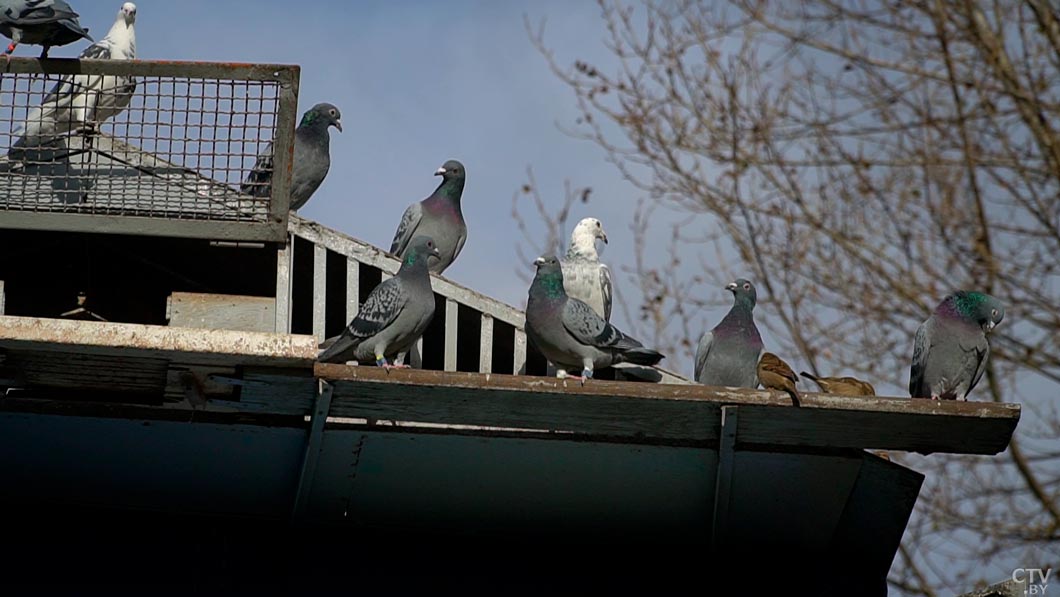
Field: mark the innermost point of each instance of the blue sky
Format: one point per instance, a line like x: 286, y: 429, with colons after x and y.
x: 417, y: 83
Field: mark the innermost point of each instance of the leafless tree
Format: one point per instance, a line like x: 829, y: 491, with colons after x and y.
x: 862, y: 159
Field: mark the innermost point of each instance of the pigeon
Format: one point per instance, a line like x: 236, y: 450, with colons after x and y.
x: 45, y: 23
x: 437, y: 216
x: 775, y: 374
x: 951, y: 348
x: 84, y: 101
x: 728, y: 354
x: 584, y: 277
x: 570, y: 334
x: 845, y: 386
x: 312, y: 157
x: 393, y: 318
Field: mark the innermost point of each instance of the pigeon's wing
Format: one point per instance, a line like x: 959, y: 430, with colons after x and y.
x: 378, y: 311
x: 982, y: 354
x: 460, y: 243
x: 921, y: 344
x: 588, y: 328
x: 702, y: 351
x: 606, y: 289
x: 410, y: 221
x: 259, y: 180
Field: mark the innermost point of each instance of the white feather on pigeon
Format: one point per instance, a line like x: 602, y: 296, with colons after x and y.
x: 85, y: 101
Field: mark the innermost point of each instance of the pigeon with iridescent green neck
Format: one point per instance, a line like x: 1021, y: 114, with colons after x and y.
x: 570, y: 334
x: 728, y: 355
x: 950, y: 350
x: 312, y: 157
x: 393, y: 318
x: 438, y: 216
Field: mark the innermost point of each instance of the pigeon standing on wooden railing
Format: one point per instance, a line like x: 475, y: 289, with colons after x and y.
x: 728, y: 355
x: 439, y: 217
x: 584, y: 276
x: 312, y: 157
x: 45, y: 23
x: 393, y: 318
x: 84, y: 101
x: 570, y: 334
x: 950, y: 350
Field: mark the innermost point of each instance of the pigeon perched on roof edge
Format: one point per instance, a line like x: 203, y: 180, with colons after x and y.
x: 438, y: 216
x: 585, y: 277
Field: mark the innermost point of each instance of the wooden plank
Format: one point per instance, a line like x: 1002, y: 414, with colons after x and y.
x: 451, y: 345
x: 353, y: 288
x: 312, y: 451
x: 1, y: 297
x: 320, y: 289
x: 222, y: 311
x: 485, y: 345
x: 519, y: 352
x: 284, y: 259
x: 683, y: 413
x: 723, y: 478
x: 375, y: 257
x: 182, y: 345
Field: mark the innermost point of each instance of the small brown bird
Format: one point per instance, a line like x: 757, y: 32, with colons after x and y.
x: 847, y: 386
x: 775, y: 374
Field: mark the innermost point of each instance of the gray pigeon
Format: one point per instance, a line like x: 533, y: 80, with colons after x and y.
x: 570, y: 334
x: 312, y: 157
x: 951, y: 349
x: 393, y: 318
x: 584, y: 276
x: 84, y: 101
x: 728, y: 355
x: 39, y: 22
x: 437, y: 216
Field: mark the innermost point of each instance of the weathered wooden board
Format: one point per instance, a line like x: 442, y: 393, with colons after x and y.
x: 222, y: 311
x: 674, y: 413
x: 190, y: 346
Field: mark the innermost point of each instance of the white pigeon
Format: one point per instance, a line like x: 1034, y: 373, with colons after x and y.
x: 85, y: 101
x: 584, y: 276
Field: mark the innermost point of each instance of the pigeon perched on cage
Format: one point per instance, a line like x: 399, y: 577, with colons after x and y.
x: 45, y: 23
x: 728, y: 355
x: 393, y: 318
x: 951, y: 349
x: 83, y: 102
x: 584, y: 276
x: 438, y: 216
x: 570, y: 334
x: 312, y: 157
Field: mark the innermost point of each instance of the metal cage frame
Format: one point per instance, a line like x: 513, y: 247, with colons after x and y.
x: 272, y: 228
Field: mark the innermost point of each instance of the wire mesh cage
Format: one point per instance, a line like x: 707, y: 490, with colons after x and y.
x: 144, y: 147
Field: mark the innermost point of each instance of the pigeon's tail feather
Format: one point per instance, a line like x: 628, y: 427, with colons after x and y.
x: 642, y: 356
x: 335, y: 349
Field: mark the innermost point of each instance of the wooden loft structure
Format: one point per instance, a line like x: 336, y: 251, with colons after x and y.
x: 160, y: 400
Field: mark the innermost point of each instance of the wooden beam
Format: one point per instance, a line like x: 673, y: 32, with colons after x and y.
x: 320, y: 290
x: 485, y: 345
x: 353, y: 288
x: 682, y: 413
x: 723, y: 479
x: 154, y: 341
x: 312, y: 450
x: 1, y: 297
x: 451, y: 344
x: 284, y: 258
x: 519, y: 352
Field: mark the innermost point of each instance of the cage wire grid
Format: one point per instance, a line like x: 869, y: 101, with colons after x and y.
x: 162, y: 146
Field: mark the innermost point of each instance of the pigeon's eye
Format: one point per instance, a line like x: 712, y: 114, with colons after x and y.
x: 746, y: 286
x: 332, y: 112
x: 993, y: 313
x: 598, y: 224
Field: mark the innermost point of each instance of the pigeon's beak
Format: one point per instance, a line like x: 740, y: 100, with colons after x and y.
x: 603, y: 236
x: 732, y: 286
x: 440, y: 171
x: 990, y: 326
x: 436, y: 252
x: 539, y: 261
x: 338, y: 125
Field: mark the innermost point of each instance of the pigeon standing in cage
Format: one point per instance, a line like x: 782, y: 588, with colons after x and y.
x: 45, y: 23
x: 82, y: 102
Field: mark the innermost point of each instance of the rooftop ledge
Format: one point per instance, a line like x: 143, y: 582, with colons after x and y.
x: 560, y: 408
